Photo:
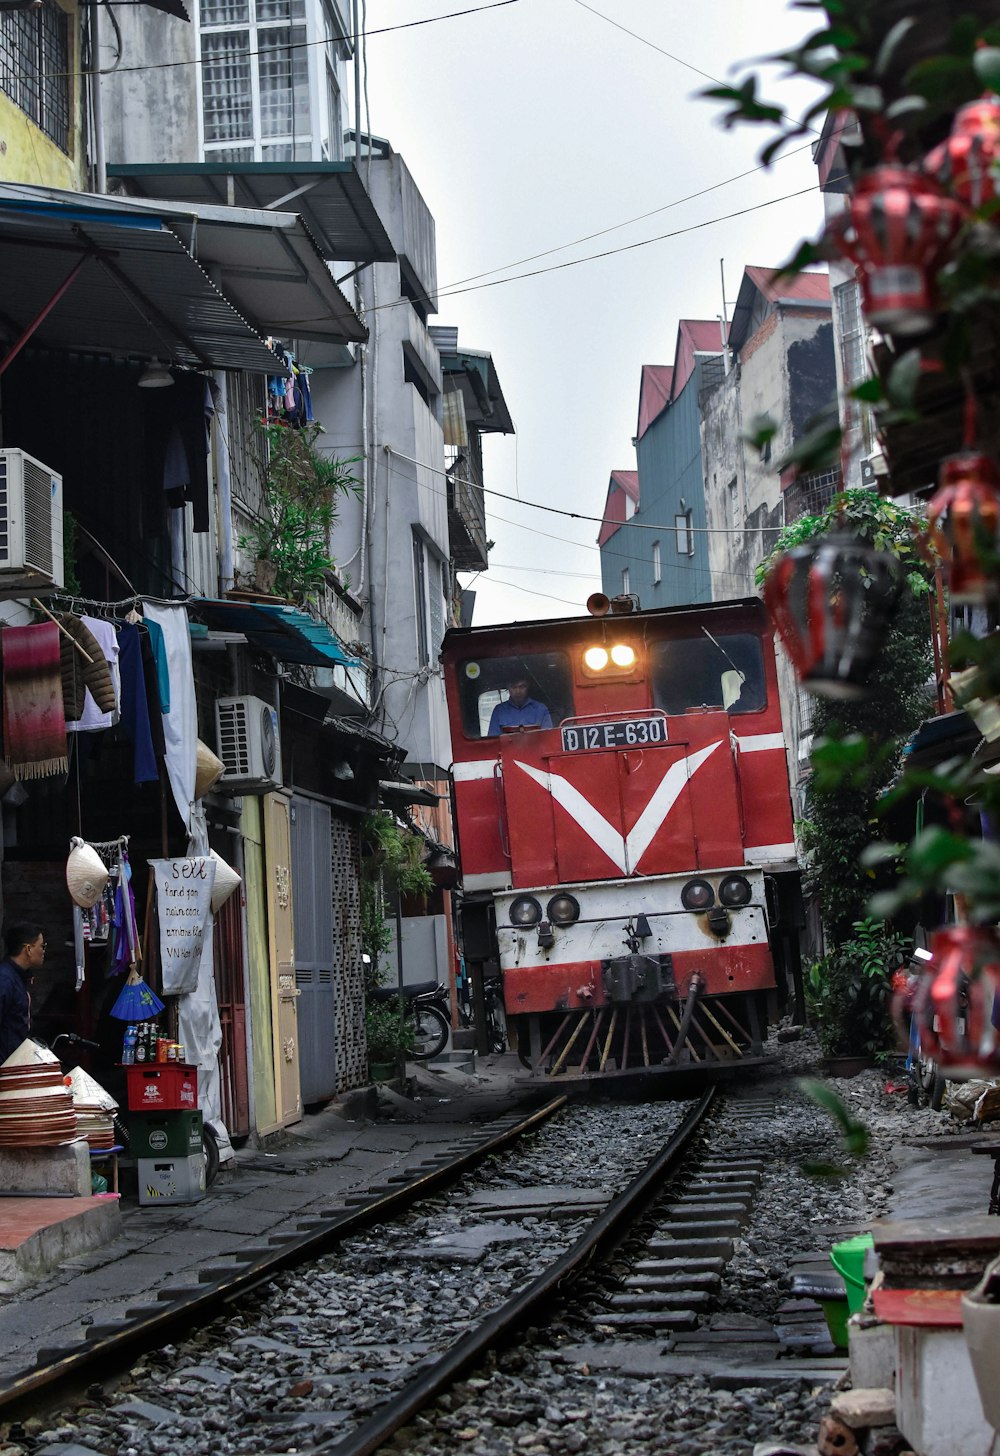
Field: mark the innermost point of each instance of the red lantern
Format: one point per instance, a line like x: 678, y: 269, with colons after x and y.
x: 964, y: 525
x: 897, y: 229
x: 966, y: 162
x: 955, y: 1002
x: 831, y: 602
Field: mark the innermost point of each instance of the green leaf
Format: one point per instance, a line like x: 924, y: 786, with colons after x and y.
x: 869, y: 391
x: 887, y: 50
x: 901, y: 386
x: 987, y: 66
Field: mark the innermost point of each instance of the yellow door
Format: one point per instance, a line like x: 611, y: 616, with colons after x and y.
x: 278, y: 864
x: 265, y: 1101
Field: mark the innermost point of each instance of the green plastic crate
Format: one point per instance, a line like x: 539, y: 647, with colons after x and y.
x: 164, y: 1134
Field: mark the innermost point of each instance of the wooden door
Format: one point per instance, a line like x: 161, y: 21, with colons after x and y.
x: 281, y: 945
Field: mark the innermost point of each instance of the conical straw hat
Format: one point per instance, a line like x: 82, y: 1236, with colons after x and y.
x: 87, y: 1090
x: 209, y: 768
x: 86, y: 874
x: 226, y: 881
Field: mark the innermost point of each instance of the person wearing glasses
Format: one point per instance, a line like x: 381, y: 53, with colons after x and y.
x: 25, y: 955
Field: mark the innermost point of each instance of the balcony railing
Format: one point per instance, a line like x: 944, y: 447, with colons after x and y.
x: 467, y: 512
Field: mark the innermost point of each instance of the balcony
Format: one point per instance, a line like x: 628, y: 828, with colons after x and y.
x: 467, y: 508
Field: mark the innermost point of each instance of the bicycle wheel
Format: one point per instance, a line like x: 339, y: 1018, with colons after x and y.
x: 210, y: 1146
x: 431, y: 1029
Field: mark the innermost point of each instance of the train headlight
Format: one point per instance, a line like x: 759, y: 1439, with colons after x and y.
x: 697, y: 895
x: 735, y: 891
x: 622, y: 655
x: 596, y: 658
x: 525, y: 911
x: 563, y: 909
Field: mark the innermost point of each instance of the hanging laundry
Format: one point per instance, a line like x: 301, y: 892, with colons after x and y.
x: 159, y: 651
x: 80, y: 675
x: 135, y: 708
x: 176, y: 425
x: 180, y: 725
x: 34, y: 724
x: 104, y: 714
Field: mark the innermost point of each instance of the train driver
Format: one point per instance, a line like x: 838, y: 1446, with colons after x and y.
x: 520, y: 709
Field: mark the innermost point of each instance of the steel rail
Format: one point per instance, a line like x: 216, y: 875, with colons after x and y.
x: 148, y: 1327
x: 531, y: 1305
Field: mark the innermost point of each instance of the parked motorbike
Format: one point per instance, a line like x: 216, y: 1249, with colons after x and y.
x: 427, y: 1005
x: 924, y: 1077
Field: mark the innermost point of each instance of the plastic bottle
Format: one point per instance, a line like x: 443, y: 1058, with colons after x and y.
x: 128, y: 1046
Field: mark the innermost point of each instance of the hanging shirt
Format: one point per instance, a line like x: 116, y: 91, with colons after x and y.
x: 135, y: 709
x: 92, y: 719
x: 159, y: 650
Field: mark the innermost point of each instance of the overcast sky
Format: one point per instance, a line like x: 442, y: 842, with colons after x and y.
x: 538, y: 124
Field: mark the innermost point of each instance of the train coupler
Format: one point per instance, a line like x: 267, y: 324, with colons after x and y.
x: 638, y: 977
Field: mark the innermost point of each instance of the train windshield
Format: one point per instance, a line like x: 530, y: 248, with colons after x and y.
x: 529, y: 690
x: 725, y: 672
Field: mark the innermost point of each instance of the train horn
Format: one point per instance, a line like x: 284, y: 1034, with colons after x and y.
x: 598, y: 605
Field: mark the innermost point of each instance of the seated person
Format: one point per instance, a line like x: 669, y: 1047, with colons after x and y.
x: 519, y: 711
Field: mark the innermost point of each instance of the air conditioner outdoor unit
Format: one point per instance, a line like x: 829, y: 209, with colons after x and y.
x: 248, y: 743
x: 31, y: 523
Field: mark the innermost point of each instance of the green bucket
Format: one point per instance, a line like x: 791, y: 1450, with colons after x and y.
x: 848, y: 1258
x: 836, y: 1313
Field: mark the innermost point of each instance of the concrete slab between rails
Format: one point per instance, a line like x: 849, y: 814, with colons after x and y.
x: 465, y: 1246
x: 642, y: 1359
x: 546, y: 1201
x: 37, y: 1234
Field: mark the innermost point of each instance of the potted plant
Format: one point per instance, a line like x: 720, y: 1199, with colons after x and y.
x: 290, y: 541
x: 390, y: 1039
x: 848, y: 997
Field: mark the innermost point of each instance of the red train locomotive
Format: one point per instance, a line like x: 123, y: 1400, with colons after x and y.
x: 625, y: 831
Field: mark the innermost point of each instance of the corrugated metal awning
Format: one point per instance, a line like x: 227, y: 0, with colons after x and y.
x: 287, y: 633
x: 138, y: 293
x: 266, y: 263
x: 330, y: 196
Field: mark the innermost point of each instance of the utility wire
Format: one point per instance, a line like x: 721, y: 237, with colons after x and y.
x: 594, y: 257
x: 294, y: 46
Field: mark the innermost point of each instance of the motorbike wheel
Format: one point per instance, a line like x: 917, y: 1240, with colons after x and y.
x: 431, y: 1029
x: 210, y: 1146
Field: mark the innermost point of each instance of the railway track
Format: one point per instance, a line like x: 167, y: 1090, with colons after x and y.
x: 629, y: 1282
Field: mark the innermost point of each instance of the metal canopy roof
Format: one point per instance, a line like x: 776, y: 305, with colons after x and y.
x: 288, y: 634
x: 267, y: 263
x: 138, y: 291
x: 485, y: 406
x: 330, y: 196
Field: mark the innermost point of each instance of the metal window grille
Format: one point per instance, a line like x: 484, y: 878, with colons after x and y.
x: 246, y: 398
x: 812, y: 493
x: 224, y: 12
x: 657, y: 570
x: 282, y: 67
x: 626, y: 582
x: 228, y: 105
x: 34, y: 67
x: 853, y: 357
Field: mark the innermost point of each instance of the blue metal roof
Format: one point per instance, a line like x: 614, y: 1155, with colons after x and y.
x: 287, y: 633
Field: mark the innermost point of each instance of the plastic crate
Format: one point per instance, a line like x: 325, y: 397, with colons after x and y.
x: 164, y: 1134
x: 171, y: 1180
x: 162, y: 1087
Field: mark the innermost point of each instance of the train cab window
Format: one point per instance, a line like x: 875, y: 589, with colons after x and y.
x: 485, y: 686
x: 722, y: 672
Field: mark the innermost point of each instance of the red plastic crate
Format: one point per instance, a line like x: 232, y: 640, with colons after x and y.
x: 163, y: 1086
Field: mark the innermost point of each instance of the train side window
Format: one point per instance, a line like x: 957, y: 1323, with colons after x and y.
x: 697, y: 672
x: 483, y: 684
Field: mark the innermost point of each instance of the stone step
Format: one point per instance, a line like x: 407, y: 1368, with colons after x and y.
x: 717, y: 1228
x: 683, y: 1279
x: 689, y: 1204
x: 658, y: 1267
x: 661, y: 1319
x: 680, y: 1247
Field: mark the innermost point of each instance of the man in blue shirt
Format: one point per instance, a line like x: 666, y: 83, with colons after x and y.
x: 519, y: 711
x: 25, y: 955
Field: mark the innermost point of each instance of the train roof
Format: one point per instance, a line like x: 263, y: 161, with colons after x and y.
x: 455, y: 636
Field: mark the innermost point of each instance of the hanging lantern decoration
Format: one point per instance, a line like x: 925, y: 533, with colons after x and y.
x: 966, y: 162
x: 956, y: 1001
x: 963, y: 520
x: 831, y: 602
x: 897, y: 230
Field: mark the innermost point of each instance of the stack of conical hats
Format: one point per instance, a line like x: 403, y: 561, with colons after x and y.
x: 36, y: 1104
x: 95, y: 1110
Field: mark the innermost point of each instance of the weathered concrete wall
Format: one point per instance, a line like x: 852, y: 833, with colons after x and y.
x: 150, y: 115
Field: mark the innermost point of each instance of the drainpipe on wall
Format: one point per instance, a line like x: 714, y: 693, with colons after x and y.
x: 225, y: 486
x: 97, y: 101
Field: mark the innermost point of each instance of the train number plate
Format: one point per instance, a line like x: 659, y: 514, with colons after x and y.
x: 625, y: 733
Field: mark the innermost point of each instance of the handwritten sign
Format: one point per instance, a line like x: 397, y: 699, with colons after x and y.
x: 183, y: 899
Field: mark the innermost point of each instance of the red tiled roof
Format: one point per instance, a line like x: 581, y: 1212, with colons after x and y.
x: 623, y: 486
x: 694, y: 336
x: 805, y: 288
x: 654, y: 395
